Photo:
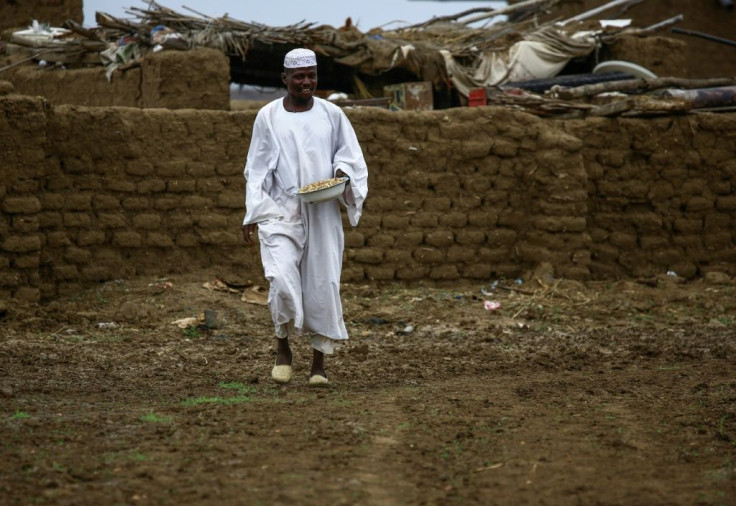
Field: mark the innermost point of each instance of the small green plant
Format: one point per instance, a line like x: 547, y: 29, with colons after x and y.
x: 154, y: 418
x: 20, y: 415
x: 242, y: 388
x: 191, y: 332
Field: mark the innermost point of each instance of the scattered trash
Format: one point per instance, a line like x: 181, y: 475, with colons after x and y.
x: 413, y: 148
x: 185, y: 323
x: 255, y: 295
x: 405, y: 331
x: 491, y: 305
x: 333, y: 97
x: 519, y: 281
x: 417, y: 299
x: 107, y: 325
x: 210, y: 319
x: 219, y: 286
x: 672, y: 273
x: 161, y: 285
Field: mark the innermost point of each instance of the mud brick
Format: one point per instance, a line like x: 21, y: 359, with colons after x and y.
x: 199, y: 203
x: 382, y: 204
x: 48, y: 291
x: 412, y: 272
x: 467, y: 237
x: 78, y: 202
x: 394, y: 222
x: 646, y: 222
x: 26, y: 186
x: 121, y: 185
x: 504, y: 148
x: 230, y: 169
x: 221, y: 238
x: 718, y: 240
x: 459, y: 254
x: 90, y: 237
x: 424, y: 219
x: 50, y: 220
x: 105, y: 202
x: 77, y: 165
x: 211, y: 221
x: 387, y: 132
x: 135, y: 203
x: 159, y: 240
x: 436, y: 203
x: 444, y: 272
x: 475, y: 183
x: 623, y: 240
x: 409, y: 238
x: 127, y: 239
x: 474, y: 148
x: 27, y: 294
x: 57, y: 239
x: 211, y: 185
x: 715, y: 222
x: 95, y: 273
x: 21, y: 205
x: 4, y: 263
x: 52, y: 201
x: 111, y: 220
x: 699, y: 204
x: 166, y: 203
x: 574, y: 272
x: 549, y: 139
x: 231, y: 200
x: 147, y: 221
x: 726, y: 203
x: 721, y: 187
x: 27, y: 261
x: 200, y: 169
x: 352, y: 273
x: 444, y: 182
x: 354, y: 239
x: 560, y: 223
x: 22, y: 244
x: 368, y: 256
x: 513, y: 219
x: 439, y: 238
x: 180, y: 221
x: 75, y: 255
x: 452, y: 131
x: 171, y: 169
x: 380, y: 272
x: 496, y: 198
x: 688, y: 226
x: 151, y: 185
x: 494, y: 256
x: 399, y: 256
x: 501, y: 237
x: 25, y: 224
x: 689, y: 242
x: 370, y: 220
x: 139, y: 168
x: 476, y: 271
x: 454, y: 219
x: 10, y: 279
x: 466, y: 202
x: 428, y: 255
x: 80, y: 220
x: 383, y: 241
x: 653, y: 242
x: 181, y: 186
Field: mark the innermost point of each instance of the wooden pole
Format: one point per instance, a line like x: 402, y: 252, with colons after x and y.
x: 596, y: 11
x: 590, y: 90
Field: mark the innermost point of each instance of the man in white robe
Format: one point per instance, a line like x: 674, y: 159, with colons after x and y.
x: 298, y: 140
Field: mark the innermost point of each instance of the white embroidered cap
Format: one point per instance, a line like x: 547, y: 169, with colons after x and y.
x: 298, y: 58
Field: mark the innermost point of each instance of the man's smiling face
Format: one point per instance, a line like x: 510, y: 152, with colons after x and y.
x: 301, y: 83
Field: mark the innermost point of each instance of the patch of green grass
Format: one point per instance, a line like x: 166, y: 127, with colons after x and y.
x: 20, y: 415
x: 726, y: 320
x: 191, y: 332
x: 154, y: 418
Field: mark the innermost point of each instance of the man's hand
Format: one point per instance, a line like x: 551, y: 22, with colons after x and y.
x: 248, y: 233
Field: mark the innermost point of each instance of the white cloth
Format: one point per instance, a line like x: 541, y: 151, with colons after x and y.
x: 302, y: 244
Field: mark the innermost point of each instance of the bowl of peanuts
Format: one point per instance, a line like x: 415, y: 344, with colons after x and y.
x: 322, y: 191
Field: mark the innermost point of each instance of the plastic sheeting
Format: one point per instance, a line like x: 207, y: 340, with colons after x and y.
x: 542, y: 55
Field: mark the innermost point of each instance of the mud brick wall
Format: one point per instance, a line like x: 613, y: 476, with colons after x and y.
x: 662, y: 194
x: 197, y: 79
x: 21, y: 13
x: 94, y: 194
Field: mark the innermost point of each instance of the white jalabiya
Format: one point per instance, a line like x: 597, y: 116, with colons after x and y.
x: 302, y: 244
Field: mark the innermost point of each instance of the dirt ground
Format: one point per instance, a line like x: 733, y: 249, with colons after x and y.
x: 569, y: 393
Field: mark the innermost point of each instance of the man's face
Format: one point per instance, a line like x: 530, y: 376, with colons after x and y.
x: 301, y: 82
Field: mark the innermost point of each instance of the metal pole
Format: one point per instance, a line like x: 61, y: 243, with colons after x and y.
x: 704, y: 36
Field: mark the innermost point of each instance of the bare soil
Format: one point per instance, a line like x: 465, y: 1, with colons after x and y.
x: 569, y: 393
